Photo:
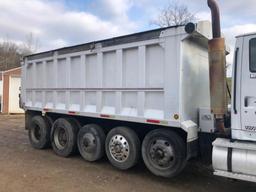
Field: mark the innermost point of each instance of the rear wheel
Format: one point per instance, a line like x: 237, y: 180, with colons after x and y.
x: 91, y: 141
x: 122, y: 147
x: 63, y: 136
x: 164, y: 153
x: 39, y: 132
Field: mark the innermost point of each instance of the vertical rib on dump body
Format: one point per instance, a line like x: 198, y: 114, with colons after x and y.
x: 154, y: 77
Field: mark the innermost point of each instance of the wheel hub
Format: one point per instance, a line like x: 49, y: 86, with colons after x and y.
x: 36, y: 133
x: 89, y: 142
x: 161, y: 153
x: 119, y: 148
x: 60, y: 138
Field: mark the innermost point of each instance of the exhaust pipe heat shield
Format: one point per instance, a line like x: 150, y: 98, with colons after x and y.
x: 217, y: 62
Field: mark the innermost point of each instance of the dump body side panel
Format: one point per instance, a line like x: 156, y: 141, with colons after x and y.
x: 130, y: 82
x: 195, y: 85
x: 147, y: 78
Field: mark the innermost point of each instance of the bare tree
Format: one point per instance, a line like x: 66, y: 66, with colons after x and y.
x: 174, y: 14
x: 30, y: 45
x: 9, y: 55
x: 11, y: 52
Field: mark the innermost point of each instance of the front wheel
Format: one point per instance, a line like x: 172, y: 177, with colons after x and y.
x: 164, y: 153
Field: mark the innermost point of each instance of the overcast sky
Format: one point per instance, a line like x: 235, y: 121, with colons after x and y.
x: 58, y: 23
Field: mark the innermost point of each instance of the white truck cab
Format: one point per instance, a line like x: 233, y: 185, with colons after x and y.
x: 244, y: 92
x: 235, y: 157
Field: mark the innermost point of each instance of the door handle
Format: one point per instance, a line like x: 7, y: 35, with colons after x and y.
x: 250, y: 102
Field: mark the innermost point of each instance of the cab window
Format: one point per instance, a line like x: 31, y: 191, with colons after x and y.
x: 253, y: 55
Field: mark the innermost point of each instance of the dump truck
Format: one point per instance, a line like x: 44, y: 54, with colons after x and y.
x: 160, y: 95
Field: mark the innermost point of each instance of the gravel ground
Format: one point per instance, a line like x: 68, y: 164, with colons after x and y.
x: 25, y: 169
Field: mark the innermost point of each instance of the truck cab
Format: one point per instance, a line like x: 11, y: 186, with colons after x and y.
x: 235, y: 157
x: 244, y: 92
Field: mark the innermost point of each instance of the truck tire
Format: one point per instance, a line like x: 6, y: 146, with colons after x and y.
x: 39, y: 132
x: 122, y: 147
x: 50, y: 120
x: 91, y: 141
x: 63, y: 136
x: 164, y: 153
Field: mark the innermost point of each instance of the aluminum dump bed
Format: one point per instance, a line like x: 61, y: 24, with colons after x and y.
x: 156, y: 77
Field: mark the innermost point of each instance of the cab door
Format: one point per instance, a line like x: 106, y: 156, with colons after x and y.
x: 248, y: 85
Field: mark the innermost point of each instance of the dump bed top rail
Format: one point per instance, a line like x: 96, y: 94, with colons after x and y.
x: 136, y: 37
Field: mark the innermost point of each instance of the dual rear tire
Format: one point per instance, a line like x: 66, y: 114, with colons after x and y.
x: 64, y: 136
x: 39, y: 132
x: 163, y: 151
x: 122, y: 148
x: 122, y: 145
x: 90, y: 142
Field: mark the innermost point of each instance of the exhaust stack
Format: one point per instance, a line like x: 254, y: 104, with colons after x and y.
x: 217, y: 62
x: 216, y: 31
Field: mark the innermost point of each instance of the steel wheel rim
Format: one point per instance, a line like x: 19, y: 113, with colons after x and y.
x: 36, y: 134
x: 60, y: 138
x: 119, y: 148
x: 161, y: 154
x: 88, y: 142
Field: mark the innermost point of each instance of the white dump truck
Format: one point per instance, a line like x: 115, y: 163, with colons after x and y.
x: 159, y: 94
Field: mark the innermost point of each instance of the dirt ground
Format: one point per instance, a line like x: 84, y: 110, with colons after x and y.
x: 25, y: 169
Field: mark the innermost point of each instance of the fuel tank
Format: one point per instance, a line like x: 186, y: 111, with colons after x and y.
x: 235, y: 160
